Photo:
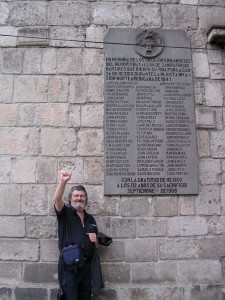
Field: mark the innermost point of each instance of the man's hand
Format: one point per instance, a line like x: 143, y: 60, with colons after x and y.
x: 57, y: 198
x: 92, y: 237
x: 65, y: 176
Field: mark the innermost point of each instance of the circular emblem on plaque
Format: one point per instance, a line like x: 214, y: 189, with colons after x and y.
x: 148, y: 43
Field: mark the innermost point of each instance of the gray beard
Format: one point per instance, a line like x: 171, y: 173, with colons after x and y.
x: 79, y: 206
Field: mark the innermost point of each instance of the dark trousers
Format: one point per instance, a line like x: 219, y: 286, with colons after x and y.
x: 77, y: 286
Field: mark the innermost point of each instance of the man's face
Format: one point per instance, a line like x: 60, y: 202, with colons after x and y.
x: 79, y: 200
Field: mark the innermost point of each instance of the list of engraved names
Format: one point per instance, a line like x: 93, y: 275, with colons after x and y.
x: 148, y: 123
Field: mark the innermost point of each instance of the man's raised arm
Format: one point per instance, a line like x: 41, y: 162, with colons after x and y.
x: 58, y: 195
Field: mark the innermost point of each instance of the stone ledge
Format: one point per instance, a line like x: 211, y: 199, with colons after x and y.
x: 217, y: 36
x: 33, y: 36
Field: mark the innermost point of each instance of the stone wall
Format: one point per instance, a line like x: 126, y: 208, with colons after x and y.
x: 51, y: 118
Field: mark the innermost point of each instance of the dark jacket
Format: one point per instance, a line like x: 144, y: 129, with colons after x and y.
x: 96, y: 271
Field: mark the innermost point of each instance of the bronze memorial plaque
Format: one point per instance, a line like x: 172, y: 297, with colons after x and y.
x: 150, y: 132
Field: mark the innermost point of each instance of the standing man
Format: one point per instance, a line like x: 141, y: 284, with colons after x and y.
x: 75, y: 227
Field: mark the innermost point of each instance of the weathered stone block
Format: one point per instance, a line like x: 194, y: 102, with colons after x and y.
x: 213, y: 93
x: 205, y: 118
x: 198, y: 38
x: 51, y: 114
x: 23, y: 170
x: 4, y: 13
x: 217, y: 144
x: 140, y: 250
x: 67, y: 36
x: 8, y: 35
x: 17, y: 249
x: 223, y: 171
x: 32, y: 61
x: 46, y: 170
x: 5, y: 293
x: 8, y: 115
x: 191, y: 2
x: 203, y: 142
x: 26, y: 115
x: 95, y: 193
x: 13, y: 141
x: 34, y: 200
x: 209, y: 16
x: 5, y: 169
x: 146, y: 15
x: 108, y: 294
x: 138, y: 293
x: 58, y: 89
x: 207, y: 249
x: 51, y: 191
x: 188, y: 226
x: 95, y: 88
x: 78, y: 89
x: 165, y: 206
x: 177, y: 249
x: 31, y: 89
x: 110, y: 207
x: 174, y: 16
x: 49, y: 61
x: 123, y: 228
x: 12, y: 227
x: 199, y: 89
x: 115, y: 252
x: 208, y: 202
x: 93, y: 170
x: 92, y: 115
x: 217, y: 71
x: 116, y: 227
x: 31, y: 13
x: 94, y: 34
x: 33, y: 141
x: 58, y: 142
x: 210, y: 171
x: 205, y: 293
x: 31, y: 293
x: 219, y: 118
x: 49, y: 250
x: 40, y: 272
x: 6, y: 87
x: 151, y: 227
x: 10, y: 202
x: 206, y: 271
x: 222, y: 260
x: 186, y: 206
x: 12, y: 60
x: 93, y: 60
x: 70, y: 61
x: 10, y: 272
x: 41, y: 227
x: 74, y: 165
x: 112, y: 14
x: 90, y: 142
x: 212, y: 2
x: 130, y: 207
x: 116, y: 273
x: 168, y: 293
x: 154, y: 273
x: 69, y: 13
x: 37, y: 36
x: 200, y: 65
x: 216, y: 225
x: 74, y: 116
